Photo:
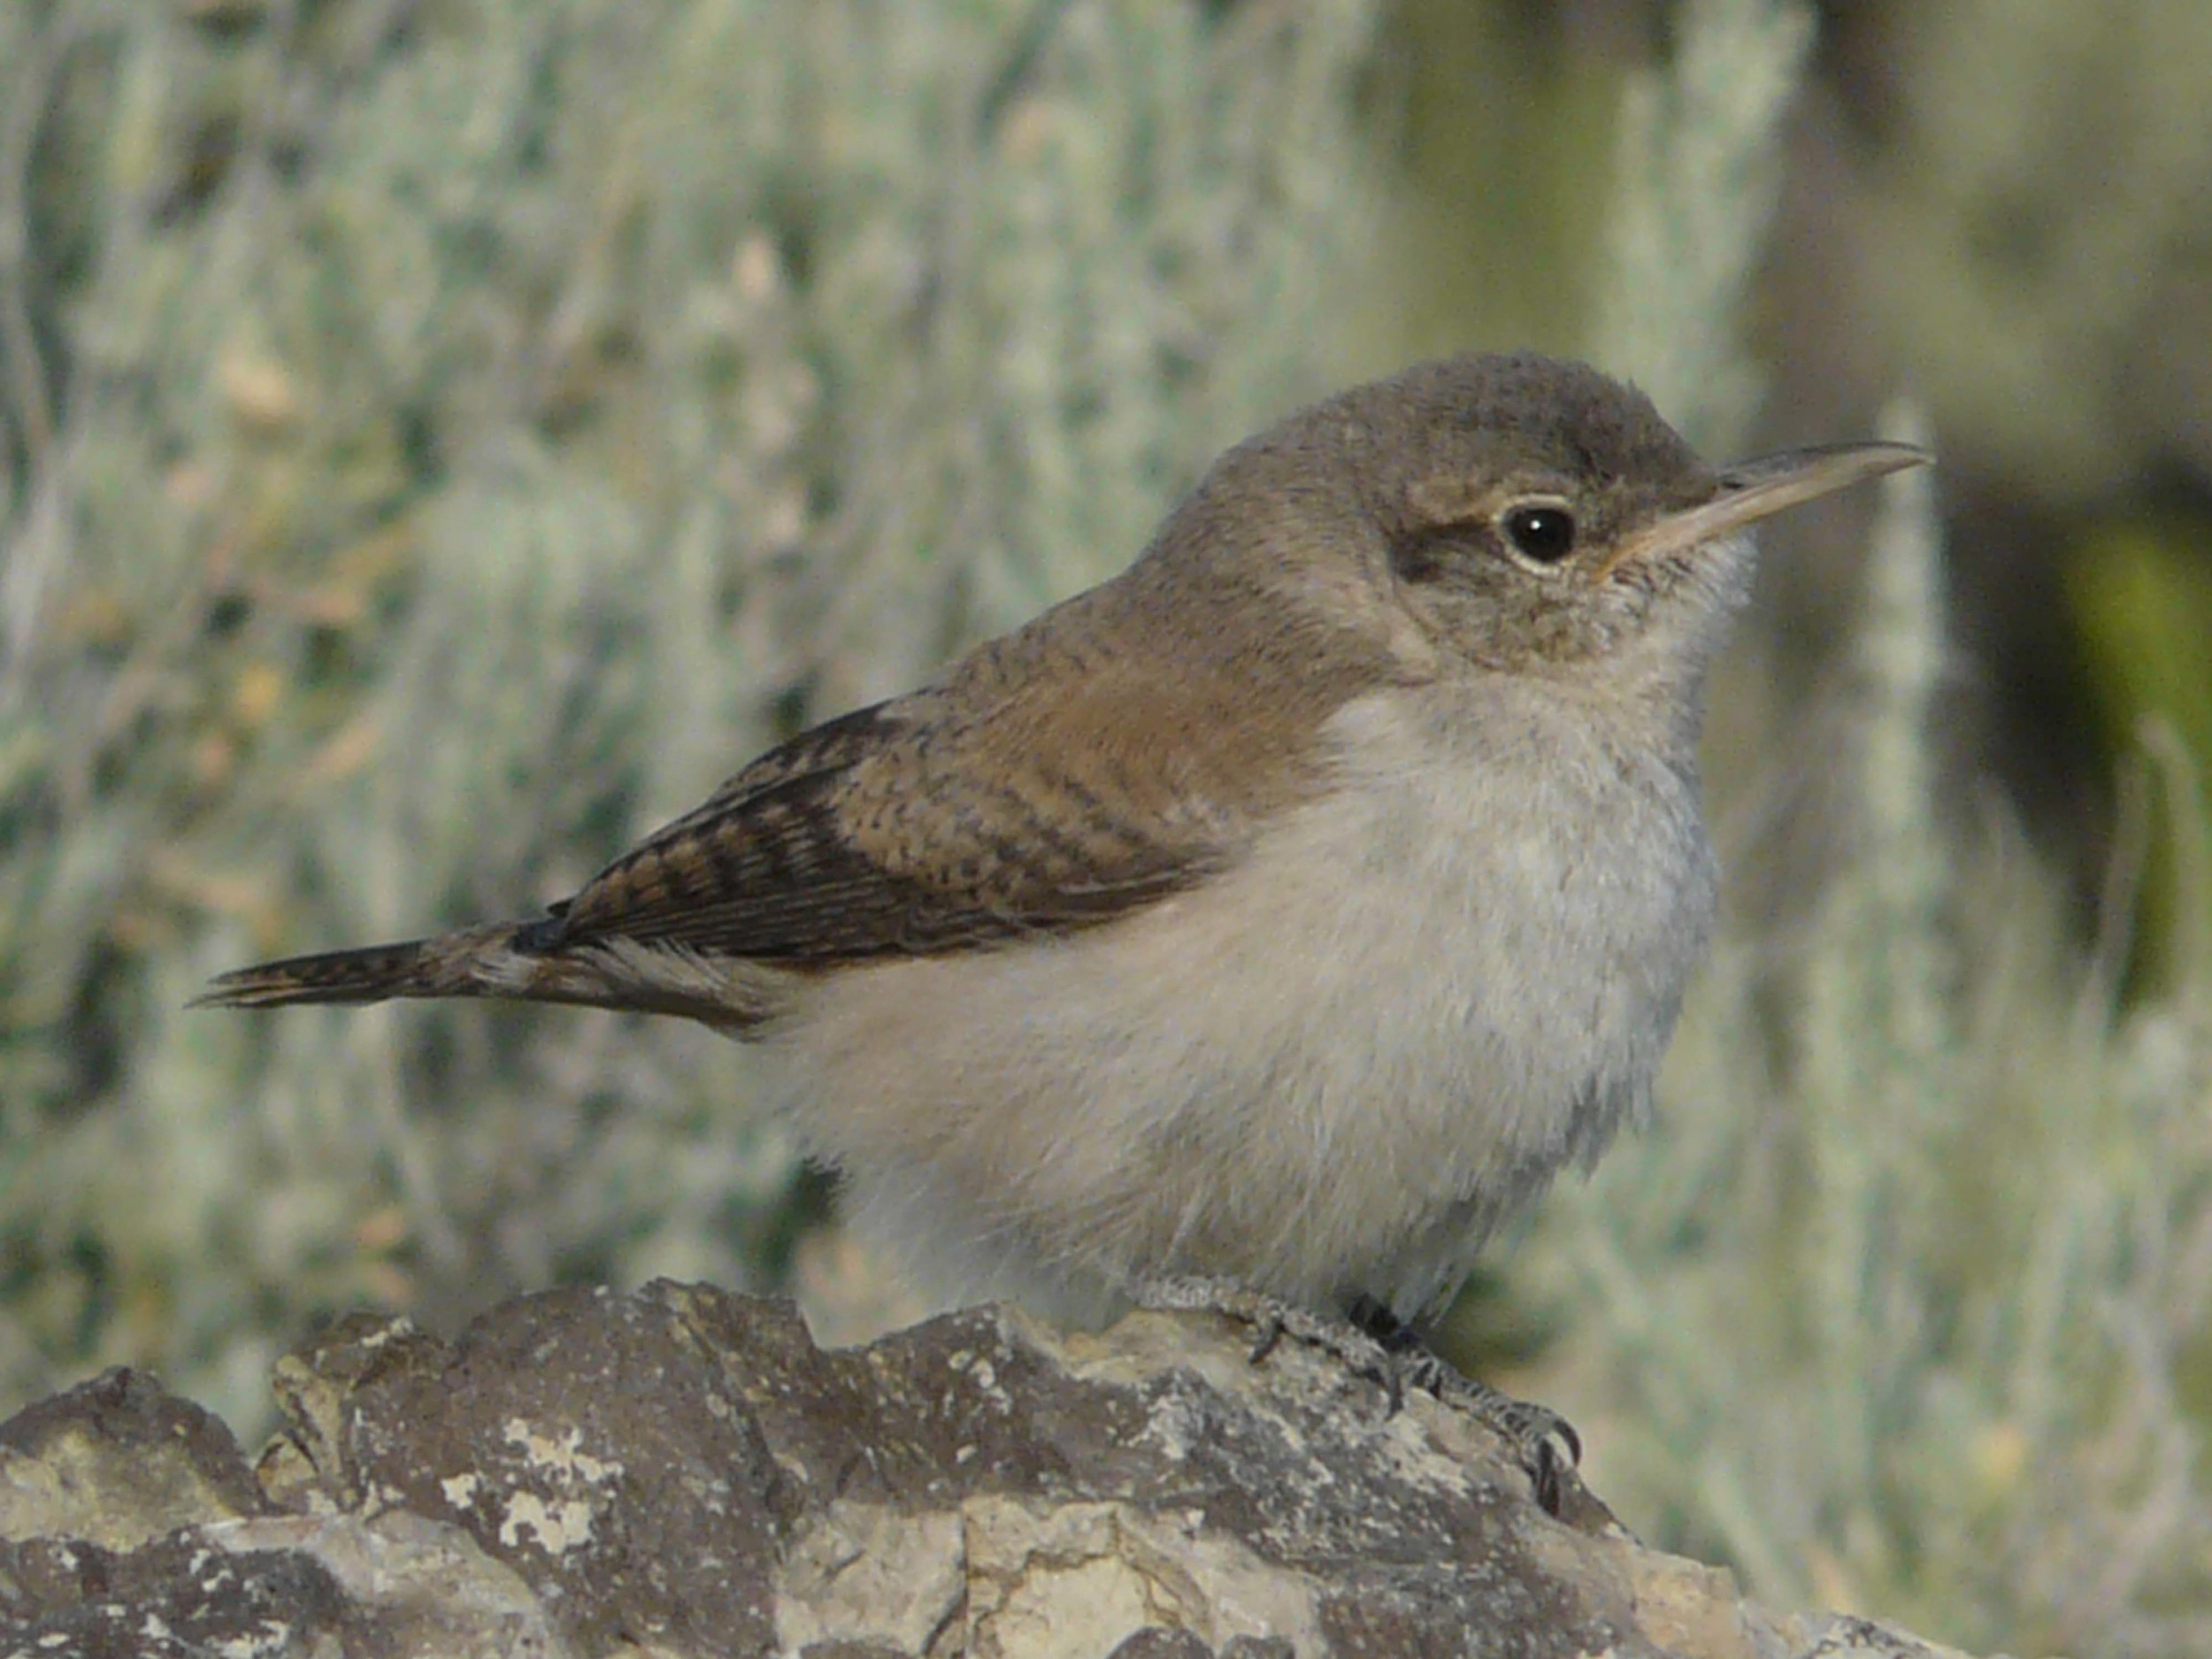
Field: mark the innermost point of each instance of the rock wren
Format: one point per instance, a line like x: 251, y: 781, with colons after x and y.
x: 1287, y: 910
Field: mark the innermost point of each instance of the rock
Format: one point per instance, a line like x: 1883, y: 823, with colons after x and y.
x: 682, y: 1471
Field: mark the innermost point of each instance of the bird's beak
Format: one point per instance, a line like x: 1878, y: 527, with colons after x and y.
x: 1752, y: 490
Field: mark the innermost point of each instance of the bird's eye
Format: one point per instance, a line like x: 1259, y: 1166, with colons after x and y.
x: 1542, y: 534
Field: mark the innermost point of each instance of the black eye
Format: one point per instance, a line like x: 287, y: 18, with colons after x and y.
x: 1544, y: 535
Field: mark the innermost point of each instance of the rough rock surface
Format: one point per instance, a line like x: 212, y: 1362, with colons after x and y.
x: 682, y: 1471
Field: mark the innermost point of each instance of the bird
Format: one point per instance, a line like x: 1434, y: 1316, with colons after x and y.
x: 1285, y: 912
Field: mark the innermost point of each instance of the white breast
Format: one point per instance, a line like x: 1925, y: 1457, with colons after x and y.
x: 1329, y: 1071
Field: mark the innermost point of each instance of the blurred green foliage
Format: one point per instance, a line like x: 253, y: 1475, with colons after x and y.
x: 2141, y: 592
x: 2035, y: 234
x: 1504, y: 151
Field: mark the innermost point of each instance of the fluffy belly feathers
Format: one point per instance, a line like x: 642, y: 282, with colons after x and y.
x: 1327, y: 1072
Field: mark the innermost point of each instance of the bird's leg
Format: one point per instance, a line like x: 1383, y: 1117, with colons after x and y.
x: 1545, y: 1443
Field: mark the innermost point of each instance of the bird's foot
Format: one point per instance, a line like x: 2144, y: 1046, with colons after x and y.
x: 1374, y: 1345
x: 1544, y: 1443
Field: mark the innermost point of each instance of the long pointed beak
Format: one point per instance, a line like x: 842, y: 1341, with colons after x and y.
x: 1752, y: 490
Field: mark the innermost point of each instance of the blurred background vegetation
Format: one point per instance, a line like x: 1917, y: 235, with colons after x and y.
x: 439, y: 439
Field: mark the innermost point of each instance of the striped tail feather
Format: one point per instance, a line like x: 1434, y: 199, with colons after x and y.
x: 445, y: 966
x: 522, y: 962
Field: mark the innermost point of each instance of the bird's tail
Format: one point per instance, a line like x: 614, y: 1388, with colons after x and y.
x: 474, y: 962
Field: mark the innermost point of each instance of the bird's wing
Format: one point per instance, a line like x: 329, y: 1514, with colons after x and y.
x: 926, y: 825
